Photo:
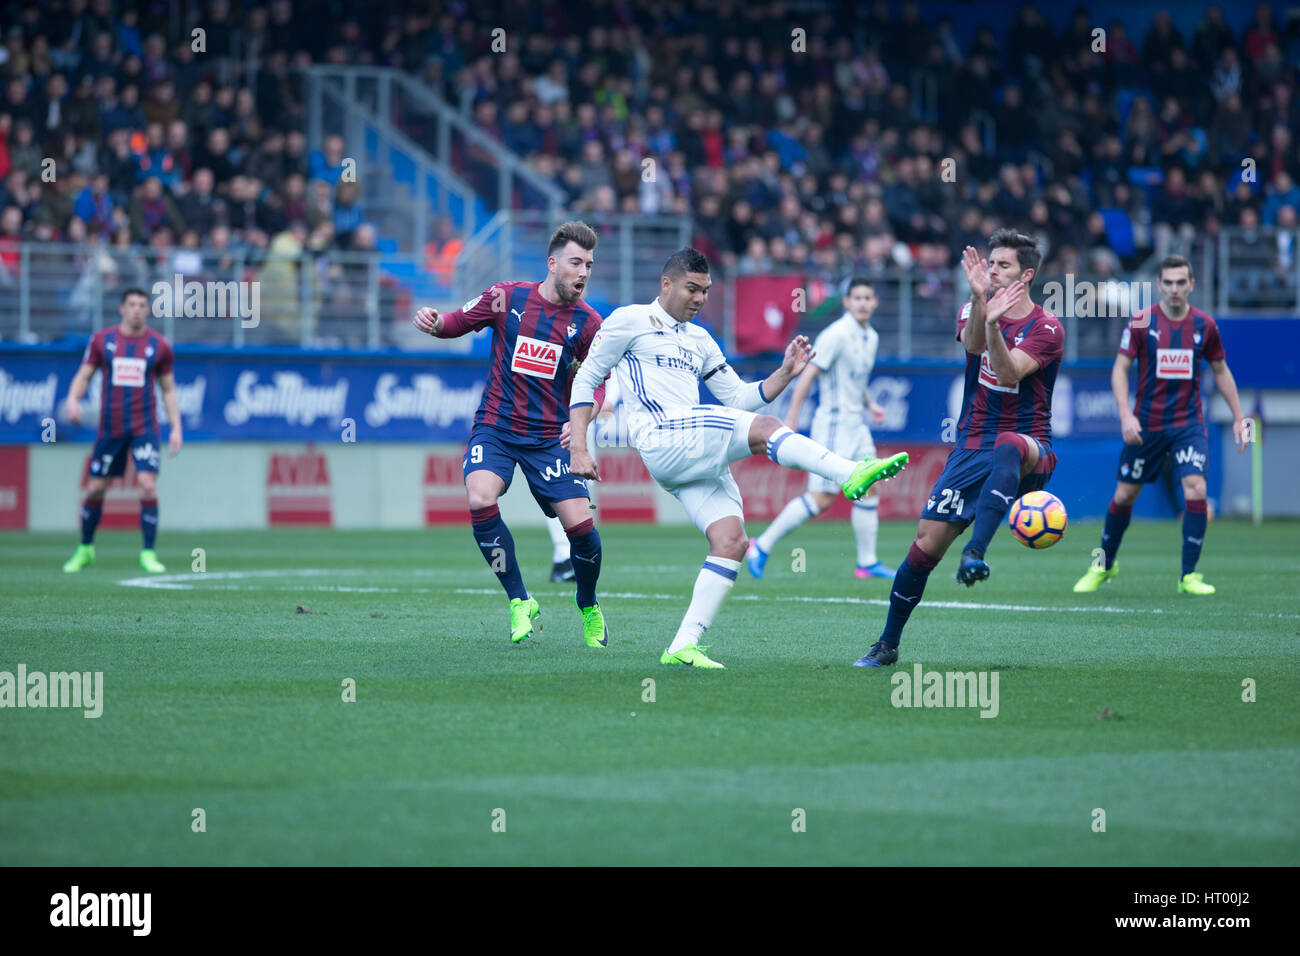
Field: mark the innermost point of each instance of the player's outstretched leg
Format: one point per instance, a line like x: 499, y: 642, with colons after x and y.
x: 91, y: 511
x: 994, y: 502
x: 796, y: 512
x: 866, y: 525
x: 1118, y: 515
x: 792, y: 450
x: 498, y: 548
x: 904, y: 596
x: 584, y: 540
x: 1195, y: 520
x: 561, y: 556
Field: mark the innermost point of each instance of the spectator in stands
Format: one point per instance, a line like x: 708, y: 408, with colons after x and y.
x: 152, y: 209
x: 327, y: 164
x: 95, y: 206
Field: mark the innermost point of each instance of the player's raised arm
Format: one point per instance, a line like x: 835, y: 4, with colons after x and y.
x: 1041, y: 345
x: 977, y: 274
x: 478, y: 312
x: 735, y: 392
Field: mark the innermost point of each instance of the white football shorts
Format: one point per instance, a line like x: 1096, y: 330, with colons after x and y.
x: 689, y: 451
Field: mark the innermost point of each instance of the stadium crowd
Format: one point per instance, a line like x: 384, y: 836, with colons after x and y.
x: 826, y: 142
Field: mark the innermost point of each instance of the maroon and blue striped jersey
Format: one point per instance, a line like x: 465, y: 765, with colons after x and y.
x: 1169, y: 356
x: 988, y: 408
x: 536, y: 348
x: 130, y: 366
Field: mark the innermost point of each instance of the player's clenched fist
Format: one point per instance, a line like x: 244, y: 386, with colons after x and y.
x: 583, y: 465
x: 428, y: 321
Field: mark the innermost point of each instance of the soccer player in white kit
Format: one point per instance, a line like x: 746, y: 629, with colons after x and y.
x: 845, y: 354
x: 659, y: 358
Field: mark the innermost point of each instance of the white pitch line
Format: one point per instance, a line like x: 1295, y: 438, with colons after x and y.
x: 878, y: 602
x: 187, y: 582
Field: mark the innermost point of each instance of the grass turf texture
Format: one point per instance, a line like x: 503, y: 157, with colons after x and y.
x: 222, y: 696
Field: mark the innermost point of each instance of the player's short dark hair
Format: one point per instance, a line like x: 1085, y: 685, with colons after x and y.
x: 1027, y: 252
x: 686, y: 260
x: 573, y: 231
x: 857, y: 281
x: 134, y: 291
x: 1175, y: 262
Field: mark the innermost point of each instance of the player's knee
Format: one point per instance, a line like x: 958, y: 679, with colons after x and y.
x: 1194, y: 487
x: 761, y: 430
x: 1126, y: 493
x: 729, y: 543
x: 96, y: 490
x: 148, y: 483
x: 822, y: 500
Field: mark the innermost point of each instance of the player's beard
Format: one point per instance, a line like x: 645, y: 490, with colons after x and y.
x: 568, y: 292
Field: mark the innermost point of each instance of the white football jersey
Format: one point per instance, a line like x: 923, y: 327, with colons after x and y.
x: 846, y: 354
x: 659, y: 363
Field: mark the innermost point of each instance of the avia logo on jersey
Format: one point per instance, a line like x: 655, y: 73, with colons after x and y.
x: 290, y: 399
x: 559, y: 471
x: 535, y: 357
x: 1190, y: 456
x: 1174, y: 363
x: 129, y: 372
x: 26, y: 398
x: 989, y: 378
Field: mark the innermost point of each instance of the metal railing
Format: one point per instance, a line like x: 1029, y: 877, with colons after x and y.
x: 393, y: 120
x: 402, y: 185
x: 364, y: 300
x: 629, y: 255
x: 278, y: 296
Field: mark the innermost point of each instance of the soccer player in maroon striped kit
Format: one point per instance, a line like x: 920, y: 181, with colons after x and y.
x: 1004, y: 436
x: 541, y: 331
x: 132, y: 358
x: 1166, y: 425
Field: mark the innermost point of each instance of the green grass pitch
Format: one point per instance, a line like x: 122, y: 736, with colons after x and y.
x: 219, y: 695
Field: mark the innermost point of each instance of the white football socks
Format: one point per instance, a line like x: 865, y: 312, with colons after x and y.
x: 866, y: 524
x: 796, y: 512
x: 792, y: 450
x: 559, y: 540
x: 712, y: 586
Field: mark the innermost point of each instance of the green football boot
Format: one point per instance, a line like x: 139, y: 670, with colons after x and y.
x: 84, y: 555
x: 692, y: 655
x: 149, y: 561
x: 871, y: 470
x: 1194, y: 583
x: 594, y: 631
x: 1096, y: 575
x: 525, y: 617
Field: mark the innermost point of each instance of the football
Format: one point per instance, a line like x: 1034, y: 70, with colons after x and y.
x: 1038, y: 519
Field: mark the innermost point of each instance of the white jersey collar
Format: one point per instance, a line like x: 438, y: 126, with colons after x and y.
x: 658, y: 310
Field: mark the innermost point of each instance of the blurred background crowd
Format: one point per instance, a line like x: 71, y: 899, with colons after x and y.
x: 824, y: 140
